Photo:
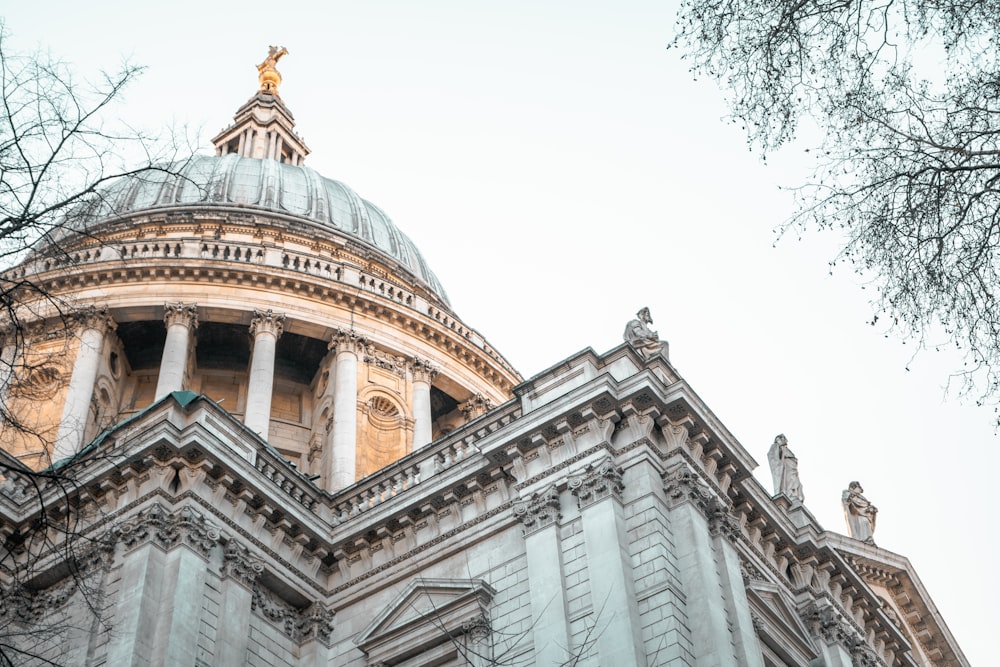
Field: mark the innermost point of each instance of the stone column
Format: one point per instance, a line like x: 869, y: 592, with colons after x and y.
x: 240, y: 571
x: 344, y: 429
x: 8, y: 355
x: 95, y: 323
x: 598, y: 490
x: 543, y: 554
x: 266, y: 328
x: 420, y: 401
x: 181, y: 321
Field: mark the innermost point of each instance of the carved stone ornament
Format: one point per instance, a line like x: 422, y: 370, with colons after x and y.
x: 539, y: 511
x: 315, y: 446
x: 596, y: 482
x: 477, y: 629
x: 96, y: 317
x: 683, y: 485
x: 721, y: 521
x: 180, y: 314
x: 389, y: 362
x: 168, y: 530
x: 301, y: 625
x: 421, y: 370
x: 23, y: 605
x: 864, y: 656
x: 239, y: 564
x: 343, y: 340
x: 826, y: 623
x: 267, y: 322
x: 476, y: 406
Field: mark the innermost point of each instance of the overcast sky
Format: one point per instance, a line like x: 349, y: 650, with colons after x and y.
x: 559, y: 169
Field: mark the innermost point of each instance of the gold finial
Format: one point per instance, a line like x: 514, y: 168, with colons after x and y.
x: 268, y: 74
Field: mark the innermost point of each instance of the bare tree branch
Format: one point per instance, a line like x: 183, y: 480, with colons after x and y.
x: 906, y: 97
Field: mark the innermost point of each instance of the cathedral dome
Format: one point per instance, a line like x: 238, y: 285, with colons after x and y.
x: 231, y: 181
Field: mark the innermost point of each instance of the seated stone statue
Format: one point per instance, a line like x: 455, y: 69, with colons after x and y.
x: 860, y: 513
x: 639, y: 335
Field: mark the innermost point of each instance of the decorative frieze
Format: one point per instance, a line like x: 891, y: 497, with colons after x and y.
x: 539, y: 511
x: 380, y: 359
x: 597, y: 482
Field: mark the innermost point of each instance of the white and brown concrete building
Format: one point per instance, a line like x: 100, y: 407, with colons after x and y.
x: 278, y: 445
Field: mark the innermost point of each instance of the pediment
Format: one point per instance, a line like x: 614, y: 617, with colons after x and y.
x: 426, y: 613
x: 778, y: 623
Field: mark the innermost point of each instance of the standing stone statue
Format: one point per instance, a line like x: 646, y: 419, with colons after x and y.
x: 860, y: 513
x: 785, y: 470
x: 639, y: 335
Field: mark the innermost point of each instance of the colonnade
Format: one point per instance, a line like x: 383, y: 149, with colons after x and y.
x: 181, y: 320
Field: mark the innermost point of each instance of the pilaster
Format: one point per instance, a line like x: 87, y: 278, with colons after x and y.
x: 239, y: 572
x: 598, y: 492
x: 718, y: 613
x: 540, y: 516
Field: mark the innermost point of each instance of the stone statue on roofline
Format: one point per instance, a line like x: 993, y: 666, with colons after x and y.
x: 860, y: 513
x: 785, y: 470
x: 642, y: 338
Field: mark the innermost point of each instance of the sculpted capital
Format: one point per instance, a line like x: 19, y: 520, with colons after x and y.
x: 267, y: 322
x: 180, y: 314
x: 344, y: 340
x: 596, y: 482
x: 475, y: 406
x: 96, y: 317
x: 422, y: 370
x: 538, y: 511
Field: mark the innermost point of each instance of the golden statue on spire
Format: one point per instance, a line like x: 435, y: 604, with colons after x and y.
x: 267, y: 72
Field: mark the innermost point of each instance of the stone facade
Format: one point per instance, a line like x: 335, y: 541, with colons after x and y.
x: 273, y: 443
x: 614, y: 522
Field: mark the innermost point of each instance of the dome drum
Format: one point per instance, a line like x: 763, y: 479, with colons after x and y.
x: 280, y: 294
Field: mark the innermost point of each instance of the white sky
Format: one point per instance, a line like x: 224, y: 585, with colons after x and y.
x: 559, y: 169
